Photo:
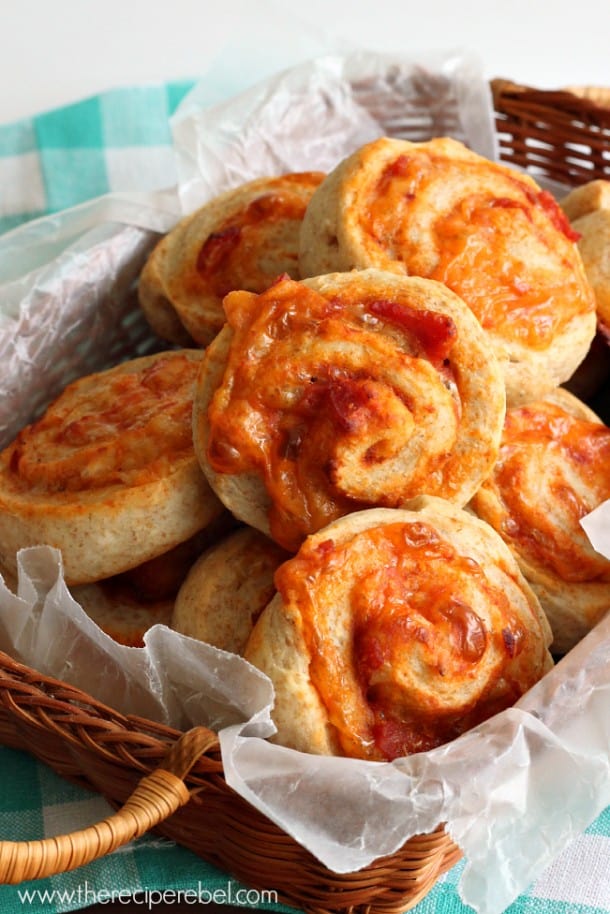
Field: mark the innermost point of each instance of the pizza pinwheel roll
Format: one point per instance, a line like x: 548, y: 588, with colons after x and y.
x: 586, y: 198
x: 227, y: 589
x: 588, y: 209
x: 108, y: 474
x: 120, y: 612
x: 553, y: 468
x: 594, y: 247
x: 393, y: 631
x: 126, y: 605
x: 341, y: 392
x: 242, y: 239
x: 440, y: 211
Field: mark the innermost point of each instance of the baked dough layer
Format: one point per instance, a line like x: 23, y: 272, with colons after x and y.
x: 586, y: 198
x: 588, y: 208
x: 227, y: 589
x: 440, y: 211
x: 395, y: 630
x: 108, y: 474
x: 341, y: 392
x: 118, y: 611
x: 242, y: 239
x: 594, y: 247
x: 553, y: 468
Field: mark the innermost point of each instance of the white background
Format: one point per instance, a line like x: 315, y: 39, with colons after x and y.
x: 56, y: 51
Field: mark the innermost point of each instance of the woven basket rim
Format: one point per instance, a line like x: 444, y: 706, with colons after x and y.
x: 570, y: 97
x: 561, y: 135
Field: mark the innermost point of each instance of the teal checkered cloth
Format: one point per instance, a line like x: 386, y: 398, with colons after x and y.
x: 118, y: 141
x: 36, y: 803
x: 121, y: 141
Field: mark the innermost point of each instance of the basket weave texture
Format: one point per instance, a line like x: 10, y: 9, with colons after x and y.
x: 561, y: 135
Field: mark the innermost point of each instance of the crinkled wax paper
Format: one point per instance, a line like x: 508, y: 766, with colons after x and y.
x: 597, y: 527
x: 515, y: 790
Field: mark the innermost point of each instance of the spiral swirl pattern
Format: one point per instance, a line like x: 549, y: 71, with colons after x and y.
x: 412, y: 626
x: 440, y: 211
x: 108, y: 474
x: 242, y: 239
x: 120, y: 428
x: 553, y: 468
x: 347, y: 391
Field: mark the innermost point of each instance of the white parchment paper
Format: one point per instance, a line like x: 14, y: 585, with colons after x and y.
x: 515, y: 790
x: 597, y: 527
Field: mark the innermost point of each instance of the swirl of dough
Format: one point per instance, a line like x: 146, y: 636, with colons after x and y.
x: 108, y: 474
x: 440, y: 211
x: 395, y: 630
x: 342, y: 392
x: 110, y: 433
x: 553, y: 468
x: 242, y: 239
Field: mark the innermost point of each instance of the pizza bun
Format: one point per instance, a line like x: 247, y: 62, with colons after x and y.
x: 393, y: 631
x: 243, y: 239
x: 226, y: 590
x: 594, y: 247
x: 588, y: 208
x: 119, y: 611
x: 126, y: 605
x: 162, y: 576
x: 342, y: 392
x: 440, y: 211
x: 553, y: 468
x: 108, y: 475
x: 586, y: 198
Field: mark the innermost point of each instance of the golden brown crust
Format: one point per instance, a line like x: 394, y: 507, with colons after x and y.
x: 440, y: 211
x: 586, y: 198
x: 243, y: 239
x: 158, y: 309
x: 395, y: 630
x: 108, y: 475
x: 243, y: 495
x: 342, y: 392
x: 594, y: 247
x: 126, y: 605
x: 119, y: 612
x: 553, y: 468
x: 227, y: 589
x: 162, y: 576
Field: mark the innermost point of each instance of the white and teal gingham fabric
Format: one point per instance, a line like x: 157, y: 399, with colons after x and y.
x: 121, y: 141
x: 36, y: 803
x: 117, y: 141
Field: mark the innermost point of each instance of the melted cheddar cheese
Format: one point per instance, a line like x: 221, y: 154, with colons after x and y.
x: 505, y: 247
x: 125, y: 426
x: 410, y: 643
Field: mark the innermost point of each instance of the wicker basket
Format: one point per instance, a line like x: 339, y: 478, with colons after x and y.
x: 561, y: 135
x: 172, y: 782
